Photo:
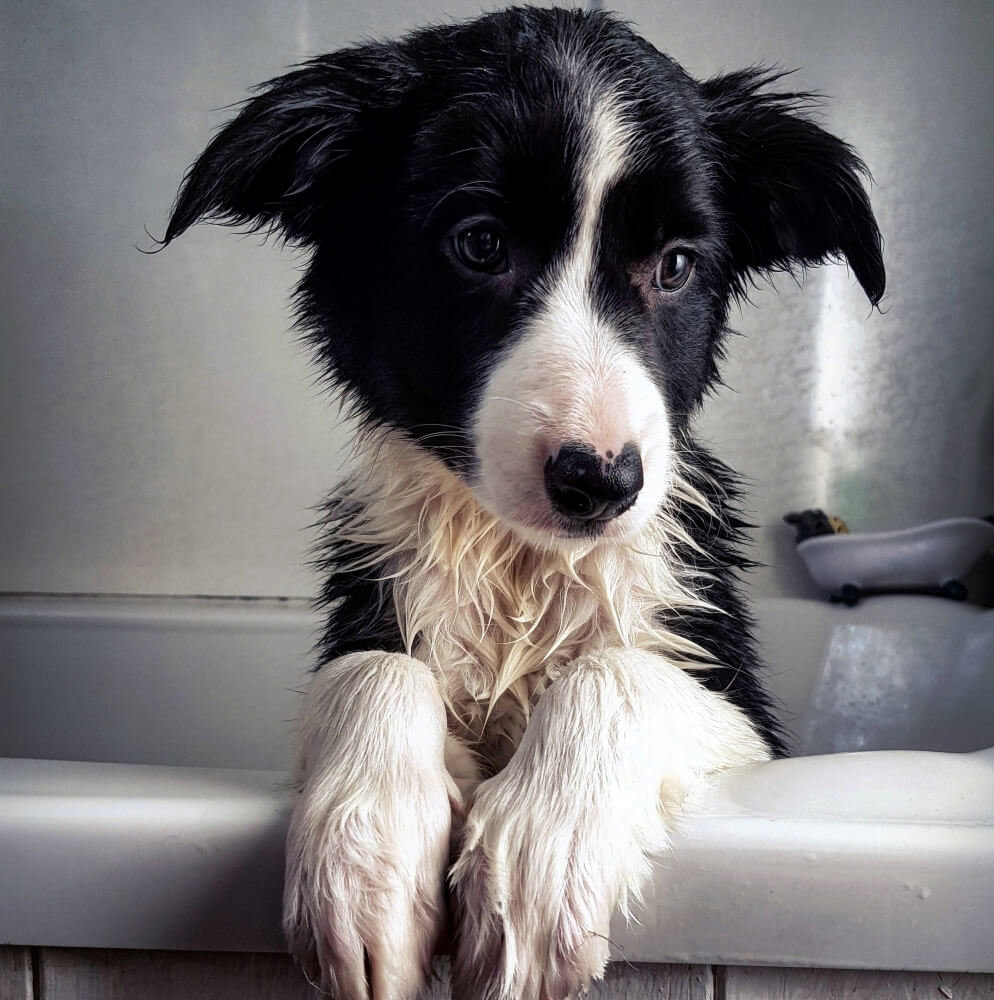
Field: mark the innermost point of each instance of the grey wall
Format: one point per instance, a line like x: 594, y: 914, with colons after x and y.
x: 159, y: 429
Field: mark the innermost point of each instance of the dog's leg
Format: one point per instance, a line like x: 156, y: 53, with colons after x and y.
x: 368, y: 847
x: 561, y: 837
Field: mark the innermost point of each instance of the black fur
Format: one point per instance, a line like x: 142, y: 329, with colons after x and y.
x: 734, y: 667
x: 365, y: 156
x: 369, y: 156
x: 359, y: 603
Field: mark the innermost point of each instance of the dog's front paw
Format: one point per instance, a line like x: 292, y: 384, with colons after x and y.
x: 535, y: 887
x: 364, y: 900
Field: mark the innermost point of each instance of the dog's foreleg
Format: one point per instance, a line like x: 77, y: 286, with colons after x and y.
x: 368, y: 847
x: 561, y: 837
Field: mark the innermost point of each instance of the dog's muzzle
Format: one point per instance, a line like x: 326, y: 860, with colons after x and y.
x: 584, y: 486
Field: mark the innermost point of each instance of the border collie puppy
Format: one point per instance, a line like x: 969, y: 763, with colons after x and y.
x: 525, y: 232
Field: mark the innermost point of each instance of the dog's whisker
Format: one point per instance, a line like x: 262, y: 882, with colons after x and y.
x: 532, y: 407
x: 471, y: 187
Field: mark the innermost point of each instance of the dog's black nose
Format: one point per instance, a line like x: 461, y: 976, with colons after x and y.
x: 584, y: 486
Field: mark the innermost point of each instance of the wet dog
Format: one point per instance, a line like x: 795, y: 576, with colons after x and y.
x: 525, y: 233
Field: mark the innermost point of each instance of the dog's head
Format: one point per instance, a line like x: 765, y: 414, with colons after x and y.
x: 526, y: 231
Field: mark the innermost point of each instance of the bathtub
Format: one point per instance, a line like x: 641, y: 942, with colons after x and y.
x: 146, y: 743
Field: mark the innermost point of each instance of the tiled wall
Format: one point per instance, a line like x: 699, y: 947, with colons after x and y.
x: 159, y: 429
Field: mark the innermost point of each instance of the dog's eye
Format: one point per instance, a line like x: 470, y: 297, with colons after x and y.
x: 673, y: 270
x: 480, y: 247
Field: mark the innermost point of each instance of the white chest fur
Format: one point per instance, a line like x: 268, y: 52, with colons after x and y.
x: 497, y: 617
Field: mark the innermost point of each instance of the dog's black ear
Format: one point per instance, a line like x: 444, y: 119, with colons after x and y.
x: 275, y: 164
x: 793, y: 192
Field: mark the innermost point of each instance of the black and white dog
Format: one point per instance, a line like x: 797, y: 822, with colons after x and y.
x: 525, y: 235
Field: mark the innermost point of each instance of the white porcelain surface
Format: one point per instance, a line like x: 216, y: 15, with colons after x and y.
x: 927, y: 555
x: 877, y: 859
x: 893, y: 673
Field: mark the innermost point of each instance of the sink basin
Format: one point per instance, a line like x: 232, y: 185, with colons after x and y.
x: 145, y: 745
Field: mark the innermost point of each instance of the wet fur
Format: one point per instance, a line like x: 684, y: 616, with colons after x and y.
x: 509, y: 707
x: 414, y: 564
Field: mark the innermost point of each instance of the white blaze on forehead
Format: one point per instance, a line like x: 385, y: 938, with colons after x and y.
x: 603, y: 163
x: 571, y: 378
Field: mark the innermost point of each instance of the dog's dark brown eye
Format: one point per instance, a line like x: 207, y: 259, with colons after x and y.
x: 673, y: 271
x: 480, y: 247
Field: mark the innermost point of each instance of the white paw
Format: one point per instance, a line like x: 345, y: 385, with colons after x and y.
x: 364, y: 903
x: 535, y: 887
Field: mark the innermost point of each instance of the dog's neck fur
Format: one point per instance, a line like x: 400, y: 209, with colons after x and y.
x: 496, y: 616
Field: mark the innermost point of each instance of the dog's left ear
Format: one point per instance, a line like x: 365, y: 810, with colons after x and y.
x: 283, y: 161
x: 793, y: 192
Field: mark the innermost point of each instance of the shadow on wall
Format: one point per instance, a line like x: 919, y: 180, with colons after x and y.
x: 981, y: 581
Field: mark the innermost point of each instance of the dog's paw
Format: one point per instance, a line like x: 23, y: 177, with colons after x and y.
x: 365, y: 899
x: 535, y: 887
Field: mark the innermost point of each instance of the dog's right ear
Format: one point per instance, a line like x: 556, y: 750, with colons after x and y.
x: 793, y: 193
x: 275, y: 164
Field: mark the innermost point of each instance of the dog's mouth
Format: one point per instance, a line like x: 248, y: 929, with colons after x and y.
x: 550, y: 527
x: 594, y: 525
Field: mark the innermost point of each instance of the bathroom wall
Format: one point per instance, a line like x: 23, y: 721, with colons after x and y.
x: 160, y: 431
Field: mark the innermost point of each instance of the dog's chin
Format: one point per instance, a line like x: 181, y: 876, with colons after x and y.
x: 543, y: 528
